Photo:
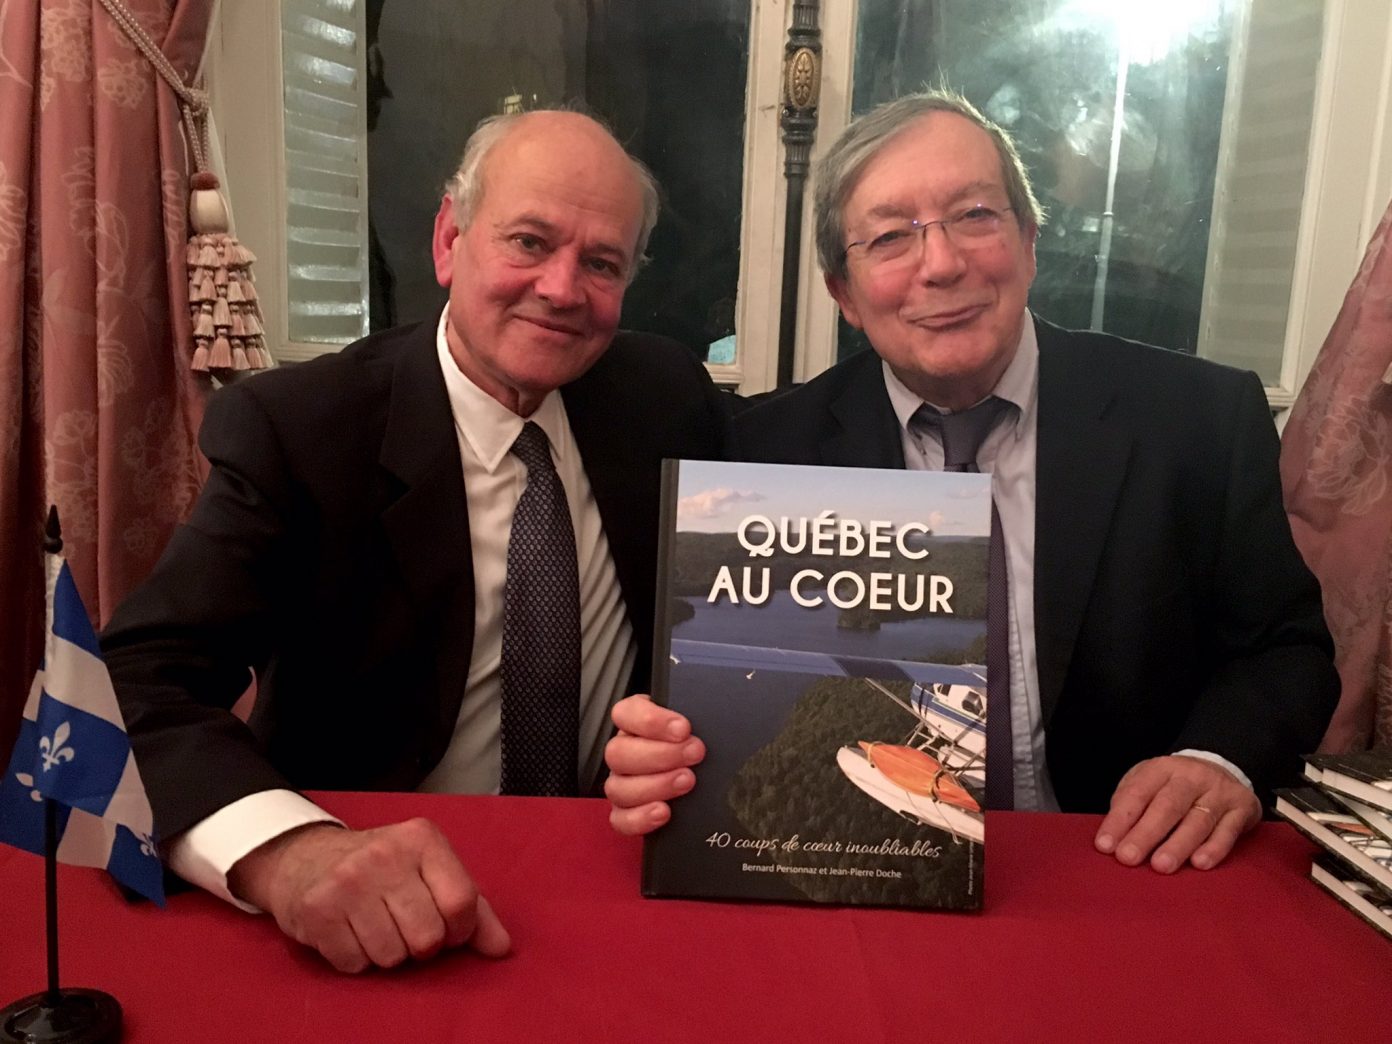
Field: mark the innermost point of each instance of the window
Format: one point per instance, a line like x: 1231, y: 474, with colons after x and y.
x: 325, y: 171
x: 1252, y: 154
x: 1128, y: 116
x: 670, y: 80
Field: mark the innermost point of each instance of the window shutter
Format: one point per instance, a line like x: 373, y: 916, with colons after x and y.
x: 324, y: 61
x: 1260, y: 186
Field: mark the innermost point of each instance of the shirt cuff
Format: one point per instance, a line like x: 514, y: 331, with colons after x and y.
x: 204, y: 853
x: 1221, y: 762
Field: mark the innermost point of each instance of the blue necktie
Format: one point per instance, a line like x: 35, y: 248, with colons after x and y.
x: 540, y: 665
x: 962, y: 435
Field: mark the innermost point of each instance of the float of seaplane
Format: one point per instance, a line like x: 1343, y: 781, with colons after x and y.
x: 937, y: 775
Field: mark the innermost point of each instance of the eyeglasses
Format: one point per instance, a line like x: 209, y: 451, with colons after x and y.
x: 974, y: 227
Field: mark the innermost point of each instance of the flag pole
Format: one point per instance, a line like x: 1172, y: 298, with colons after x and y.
x: 52, y: 545
x: 54, y: 995
x: 57, y: 1015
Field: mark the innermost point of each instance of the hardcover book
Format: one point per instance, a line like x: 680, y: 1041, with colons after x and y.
x: 1365, y: 775
x: 1354, y: 891
x: 1324, y: 821
x: 1314, y: 766
x: 1379, y: 820
x: 824, y: 629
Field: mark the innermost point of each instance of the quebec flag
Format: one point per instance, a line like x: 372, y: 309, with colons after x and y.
x: 73, y: 750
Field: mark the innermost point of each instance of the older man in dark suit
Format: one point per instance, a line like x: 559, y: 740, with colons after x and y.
x: 1164, y: 644
x: 435, y: 550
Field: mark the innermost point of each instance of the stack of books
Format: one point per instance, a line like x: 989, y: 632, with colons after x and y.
x: 1348, y: 811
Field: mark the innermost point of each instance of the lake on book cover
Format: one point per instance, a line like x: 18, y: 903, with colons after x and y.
x: 747, y: 708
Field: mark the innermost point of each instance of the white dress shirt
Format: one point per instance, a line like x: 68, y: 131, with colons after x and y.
x: 493, y: 482
x: 1009, y: 455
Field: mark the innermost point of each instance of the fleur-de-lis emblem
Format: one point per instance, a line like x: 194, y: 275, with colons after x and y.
x: 26, y: 780
x: 147, y: 845
x: 54, y: 750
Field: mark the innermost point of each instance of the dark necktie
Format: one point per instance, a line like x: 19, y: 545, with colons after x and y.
x: 540, y: 666
x: 962, y: 435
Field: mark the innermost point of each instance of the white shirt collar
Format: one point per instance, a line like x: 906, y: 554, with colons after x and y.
x: 1019, y: 384
x: 489, y: 427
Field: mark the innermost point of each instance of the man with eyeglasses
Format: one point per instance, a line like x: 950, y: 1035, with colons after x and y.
x: 435, y: 549
x: 1163, y: 642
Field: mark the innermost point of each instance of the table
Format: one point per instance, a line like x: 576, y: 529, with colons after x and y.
x: 1071, y: 947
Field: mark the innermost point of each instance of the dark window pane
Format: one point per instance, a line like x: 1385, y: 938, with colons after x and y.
x: 670, y: 80
x: 1047, y: 71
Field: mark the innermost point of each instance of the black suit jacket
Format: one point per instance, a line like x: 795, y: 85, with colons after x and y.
x: 1172, y: 609
x: 329, y: 552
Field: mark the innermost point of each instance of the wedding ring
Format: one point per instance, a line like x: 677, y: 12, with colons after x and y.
x: 1203, y: 808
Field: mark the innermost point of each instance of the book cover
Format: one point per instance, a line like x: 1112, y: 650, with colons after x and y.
x: 1379, y: 820
x: 1365, y: 775
x: 1324, y: 821
x: 824, y: 629
x: 1353, y: 891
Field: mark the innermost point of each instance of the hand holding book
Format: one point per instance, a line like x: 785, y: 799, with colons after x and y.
x: 650, y: 762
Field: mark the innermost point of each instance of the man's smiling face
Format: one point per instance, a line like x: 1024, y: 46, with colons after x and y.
x: 948, y: 320
x: 537, y: 278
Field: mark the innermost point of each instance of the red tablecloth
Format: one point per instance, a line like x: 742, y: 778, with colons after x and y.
x: 1071, y: 947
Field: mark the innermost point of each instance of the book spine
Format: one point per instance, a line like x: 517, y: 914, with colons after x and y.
x: 662, y: 627
x: 1339, y: 890
x: 662, y: 610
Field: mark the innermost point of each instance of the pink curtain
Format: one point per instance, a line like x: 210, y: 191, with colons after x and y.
x: 98, y: 409
x: 1336, y: 469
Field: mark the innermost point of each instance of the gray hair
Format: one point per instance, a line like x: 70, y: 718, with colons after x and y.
x: 465, y: 186
x: 837, y: 172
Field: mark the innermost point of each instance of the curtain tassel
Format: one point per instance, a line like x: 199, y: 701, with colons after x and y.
x: 223, y: 306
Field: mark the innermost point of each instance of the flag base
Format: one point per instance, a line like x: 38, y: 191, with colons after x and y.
x: 67, y: 1016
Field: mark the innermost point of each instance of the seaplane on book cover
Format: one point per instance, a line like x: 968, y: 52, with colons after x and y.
x: 936, y: 776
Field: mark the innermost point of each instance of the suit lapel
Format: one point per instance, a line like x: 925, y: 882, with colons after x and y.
x: 595, y: 427
x: 619, y: 492
x: 1082, y: 454
x: 427, y: 525
x: 624, y: 479
x: 867, y: 433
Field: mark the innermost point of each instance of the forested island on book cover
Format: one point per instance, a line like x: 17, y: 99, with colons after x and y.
x: 824, y: 630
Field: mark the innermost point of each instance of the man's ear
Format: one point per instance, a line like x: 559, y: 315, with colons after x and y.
x: 1031, y: 238
x: 840, y: 293
x: 442, y: 243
